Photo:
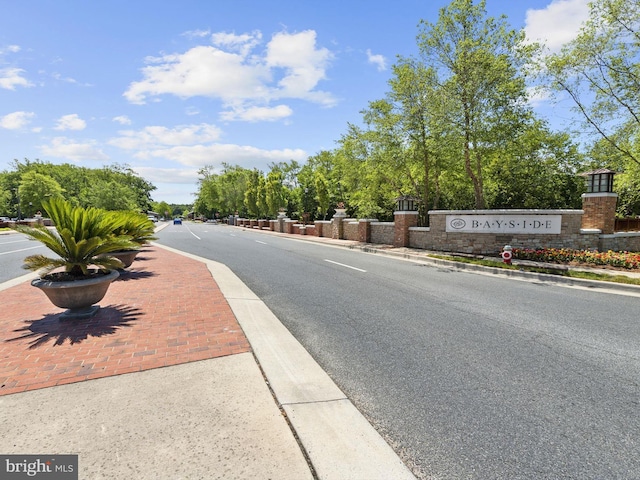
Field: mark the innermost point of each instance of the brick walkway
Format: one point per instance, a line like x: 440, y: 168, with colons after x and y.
x: 164, y: 310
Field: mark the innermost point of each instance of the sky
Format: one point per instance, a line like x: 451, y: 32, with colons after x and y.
x: 168, y: 87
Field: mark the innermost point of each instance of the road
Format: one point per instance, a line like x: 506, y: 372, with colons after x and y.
x: 466, y: 376
x: 14, y: 248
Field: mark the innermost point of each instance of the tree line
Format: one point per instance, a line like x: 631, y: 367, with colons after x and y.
x: 457, y: 130
x: 29, y: 183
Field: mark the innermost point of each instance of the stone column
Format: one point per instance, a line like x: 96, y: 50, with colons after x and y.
x: 337, y: 228
x: 403, y: 220
x: 281, y: 219
x: 599, y: 211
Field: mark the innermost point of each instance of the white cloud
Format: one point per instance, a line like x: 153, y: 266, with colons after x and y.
x: 201, y: 71
x: 378, y: 60
x: 556, y: 24
x: 122, y: 120
x: 538, y: 96
x: 242, y: 44
x: 153, y: 137
x: 168, y: 175
x: 11, y: 77
x: 70, y: 122
x: 257, y: 114
x: 62, y: 147
x: 196, y: 33
x: 291, y: 66
x: 216, y: 154
x: 10, y: 49
x: 16, y: 120
x: 304, y: 65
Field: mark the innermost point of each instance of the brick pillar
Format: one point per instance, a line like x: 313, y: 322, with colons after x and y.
x: 337, y: 228
x: 364, y: 230
x: 318, y: 229
x: 288, y: 226
x: 599, y: 211
x: 402, y: 221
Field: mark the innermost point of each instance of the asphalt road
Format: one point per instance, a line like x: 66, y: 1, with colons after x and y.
x: 465, y: 375
x: 14, y: 248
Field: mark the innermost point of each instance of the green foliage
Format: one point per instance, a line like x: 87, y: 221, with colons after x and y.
x: 110, y: 195
x: 599, y: 72
x: 274, y: 192
x: 83, y: 237
x: 135, y: 226
x: 34, y: 189
x: 628, y: 260
x: 163, y: 209
x: 112, y: 187
x: 480, y: 63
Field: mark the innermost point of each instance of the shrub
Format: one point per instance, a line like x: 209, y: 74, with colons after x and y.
x: 628, y: 260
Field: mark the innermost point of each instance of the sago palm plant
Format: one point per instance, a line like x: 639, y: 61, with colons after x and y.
x: 134, y: 225
x: 82, y: 237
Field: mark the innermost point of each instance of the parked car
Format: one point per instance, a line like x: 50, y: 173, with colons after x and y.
x: 177, y: 221
x: 153, y: 218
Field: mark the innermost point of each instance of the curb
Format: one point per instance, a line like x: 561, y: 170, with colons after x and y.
x: 336, y: 438
x: 599, y: 285
x: 609, y: 287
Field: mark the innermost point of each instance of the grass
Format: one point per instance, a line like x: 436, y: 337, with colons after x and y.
x: 562, y: 271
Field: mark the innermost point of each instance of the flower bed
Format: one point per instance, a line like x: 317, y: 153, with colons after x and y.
x: 627, y: 260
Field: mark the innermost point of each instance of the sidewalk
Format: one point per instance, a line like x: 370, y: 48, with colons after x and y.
x: 234, y: 388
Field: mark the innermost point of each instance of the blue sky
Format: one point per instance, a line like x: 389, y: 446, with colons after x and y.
x: 169, y: 87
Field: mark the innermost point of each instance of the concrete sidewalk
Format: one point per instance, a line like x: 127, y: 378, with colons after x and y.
x: 183, y: 374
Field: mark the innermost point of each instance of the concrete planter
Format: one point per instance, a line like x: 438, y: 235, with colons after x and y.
x: 77, y: 296
x: 126, y: 256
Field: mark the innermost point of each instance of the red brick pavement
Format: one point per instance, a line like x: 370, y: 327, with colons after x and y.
x: 164, y: 310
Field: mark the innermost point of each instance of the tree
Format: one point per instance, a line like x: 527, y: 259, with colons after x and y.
x: 111, y: 195
x: 34, y: 189
x: 600, y: 71
x: 480, y: 63
x: 274, y: 191
x: 541, y: 171
x: 251, y: 193
x: 162, y: 208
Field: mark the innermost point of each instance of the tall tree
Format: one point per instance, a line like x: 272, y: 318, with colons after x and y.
x: 600, y: 71
x: 480, y: 61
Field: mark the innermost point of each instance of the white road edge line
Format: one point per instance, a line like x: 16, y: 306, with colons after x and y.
x: 263, y: 243
x: 193, y: 234
x: 21, y: 250
x: 346, y: 266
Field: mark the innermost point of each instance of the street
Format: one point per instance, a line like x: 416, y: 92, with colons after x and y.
x: 465, y: 375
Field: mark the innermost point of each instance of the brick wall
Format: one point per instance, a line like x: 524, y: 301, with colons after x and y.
x: 382, y: 233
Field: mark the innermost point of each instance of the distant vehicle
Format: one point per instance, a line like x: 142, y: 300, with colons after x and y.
x: 153, y: 218
x: 177, y: 221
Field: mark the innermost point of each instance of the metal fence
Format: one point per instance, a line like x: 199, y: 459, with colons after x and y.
x: 627, y: 225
